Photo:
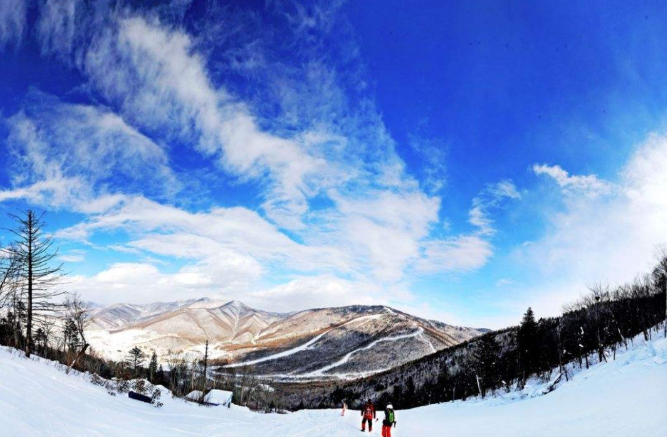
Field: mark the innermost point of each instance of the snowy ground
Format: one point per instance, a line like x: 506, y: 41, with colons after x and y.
x: 626, y: 397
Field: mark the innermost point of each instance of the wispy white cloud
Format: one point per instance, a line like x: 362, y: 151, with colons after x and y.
x: 321, y: 291
x: 433, y: 156
x: 589, y: 185
x: 488, y: 199
x: 504, y: 282
x: 66, y: 155
x: 13, y: 15
x: 157, y: 77
x: 56, y: 26
x: 73, y: 256
x: 171, y: 231
x: 462, y: 253
x: 144, y: 282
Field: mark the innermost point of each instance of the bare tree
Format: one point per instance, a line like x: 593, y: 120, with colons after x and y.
x: 35, y: 254
x: 599, y: 295
x: 246, y: 385
x: 8, y: 268
x: 177, y: 366
x: 660, y: 276
x: 77, y: 312
x: 48, y: 327
x: 10, y: 295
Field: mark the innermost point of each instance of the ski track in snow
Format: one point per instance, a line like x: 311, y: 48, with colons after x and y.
x: 346, y: 358
x: 279, y: 355
x: 423, y: 338
x: 621, y: 398
x: 303, y: 347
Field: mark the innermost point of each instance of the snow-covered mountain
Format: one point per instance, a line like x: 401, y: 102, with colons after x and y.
x: 122, y: 314
x: 182, y: 326
x: 318, y: 343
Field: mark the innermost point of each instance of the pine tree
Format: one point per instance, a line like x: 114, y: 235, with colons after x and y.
x: 160, y: 375
x: 70, y: 335
x: 136, y: 358
x: 485, y: 356
x: 526, y: 339
x: 152, y: 367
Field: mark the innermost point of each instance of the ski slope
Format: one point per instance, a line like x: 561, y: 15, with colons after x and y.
x: 349, y: 355
x: 625, y: 397
x: 303, y: 347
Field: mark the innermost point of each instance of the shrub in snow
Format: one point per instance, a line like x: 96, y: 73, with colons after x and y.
x: 155, y: 398
x: 122, y: 386
x: 97, y: 380
x: 111, y: 388
x: 139, y: 386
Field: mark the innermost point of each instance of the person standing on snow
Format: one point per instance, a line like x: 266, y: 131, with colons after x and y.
x: 342, y: 413
x: 389, y: 421
x: 367, y: 415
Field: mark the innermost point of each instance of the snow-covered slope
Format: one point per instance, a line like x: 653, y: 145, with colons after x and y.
x: 345, y: 342
x: 177, y: 326
x: 319, y: 343
x: 625, y: 397
x: 122, y: 314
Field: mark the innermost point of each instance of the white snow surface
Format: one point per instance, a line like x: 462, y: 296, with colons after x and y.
x: 625, y: 397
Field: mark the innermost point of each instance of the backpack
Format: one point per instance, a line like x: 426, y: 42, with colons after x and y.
x: 389, y: 417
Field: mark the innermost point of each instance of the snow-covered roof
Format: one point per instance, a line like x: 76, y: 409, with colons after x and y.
x: 219, y: 396
x: 194, y: 395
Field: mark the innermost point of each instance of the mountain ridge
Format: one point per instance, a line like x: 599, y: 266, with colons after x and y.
x: 318, y: 343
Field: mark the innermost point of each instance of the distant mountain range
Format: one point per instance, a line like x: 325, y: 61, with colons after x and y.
x: 324, y: 343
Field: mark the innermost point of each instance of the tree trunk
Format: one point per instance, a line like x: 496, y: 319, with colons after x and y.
x: 79, y: 355
x: 28, y: 345
x: 205, y: 380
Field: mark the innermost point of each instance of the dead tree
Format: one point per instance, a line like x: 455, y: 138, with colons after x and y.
x: 205, y: 372
x: 36, y: 272
x: 76, y: 310
x: 8, y: 266
x: 48, y: 327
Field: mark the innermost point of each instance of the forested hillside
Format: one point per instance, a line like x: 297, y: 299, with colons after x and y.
x: 599, y: 324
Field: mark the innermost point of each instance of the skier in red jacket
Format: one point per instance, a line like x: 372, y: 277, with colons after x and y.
x: 367, y: 415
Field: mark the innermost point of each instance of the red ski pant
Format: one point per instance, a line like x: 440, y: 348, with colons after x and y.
x: 386, y: 431
x: 370, y: 423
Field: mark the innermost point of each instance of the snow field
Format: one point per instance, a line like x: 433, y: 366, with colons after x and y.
x: 626, y: 397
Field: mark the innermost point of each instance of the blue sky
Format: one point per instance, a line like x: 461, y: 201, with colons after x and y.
x: 458, y: 161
